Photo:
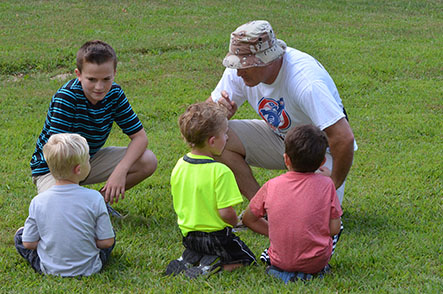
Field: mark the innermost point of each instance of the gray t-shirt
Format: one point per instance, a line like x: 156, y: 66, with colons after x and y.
x: 66, y: 220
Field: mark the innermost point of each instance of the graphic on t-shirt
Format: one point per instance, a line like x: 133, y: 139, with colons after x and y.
x: 273, y: 112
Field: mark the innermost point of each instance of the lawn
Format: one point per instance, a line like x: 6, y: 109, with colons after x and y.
x: 385, y: 57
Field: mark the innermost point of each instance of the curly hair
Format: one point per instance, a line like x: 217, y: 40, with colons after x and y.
x: 201, y: 121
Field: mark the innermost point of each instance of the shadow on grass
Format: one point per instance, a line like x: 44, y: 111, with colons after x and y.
x: 367, y: 222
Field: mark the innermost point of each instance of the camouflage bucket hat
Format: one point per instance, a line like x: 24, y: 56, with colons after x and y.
x: 253, y: 44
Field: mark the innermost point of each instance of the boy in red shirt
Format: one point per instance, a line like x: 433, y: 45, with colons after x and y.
x: 302, y: 208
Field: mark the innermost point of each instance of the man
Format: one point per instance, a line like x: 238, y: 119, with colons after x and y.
x: 286, y: 88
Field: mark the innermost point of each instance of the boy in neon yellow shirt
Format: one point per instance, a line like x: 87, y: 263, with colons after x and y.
x: 204, y: 192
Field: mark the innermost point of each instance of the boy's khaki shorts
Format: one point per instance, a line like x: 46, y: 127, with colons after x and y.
x: 102, y: 165
x: 265, y: 149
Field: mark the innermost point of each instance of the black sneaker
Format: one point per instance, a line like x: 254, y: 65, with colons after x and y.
x: 209, y: 264
x: 113, y: 212
x: 175, y: 267
x: 188, y: 259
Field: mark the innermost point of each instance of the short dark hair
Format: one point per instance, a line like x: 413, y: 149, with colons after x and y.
x: 306, y: 147
x: 97, y: 52
x: 201, y: 121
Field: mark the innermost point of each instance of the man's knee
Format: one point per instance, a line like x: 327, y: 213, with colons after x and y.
x: 234, y: 144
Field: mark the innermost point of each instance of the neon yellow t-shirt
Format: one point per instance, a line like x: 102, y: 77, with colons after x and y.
x: 200, y: 187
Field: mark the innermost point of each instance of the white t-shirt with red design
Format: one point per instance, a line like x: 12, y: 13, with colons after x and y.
x: 303, y: 93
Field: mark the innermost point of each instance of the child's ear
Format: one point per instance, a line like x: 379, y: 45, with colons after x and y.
x: 288, y: 162
x: 77, y: 72
x: 211, y: 141
x: 77, y: 169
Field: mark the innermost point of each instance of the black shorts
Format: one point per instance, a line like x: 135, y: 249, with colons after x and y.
x: 224, y: 244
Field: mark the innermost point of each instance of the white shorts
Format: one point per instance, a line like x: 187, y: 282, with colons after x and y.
x: 265, y: 149
x: 102, y: 165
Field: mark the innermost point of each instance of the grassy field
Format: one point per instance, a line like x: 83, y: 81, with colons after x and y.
x: 385, y: 57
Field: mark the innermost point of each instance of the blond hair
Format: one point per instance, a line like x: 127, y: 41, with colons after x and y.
x: 201, y: 121
x: 63, y: 152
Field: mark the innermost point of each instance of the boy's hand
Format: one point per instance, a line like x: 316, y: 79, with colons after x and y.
x: 114, y: 187
x: 257, y: 224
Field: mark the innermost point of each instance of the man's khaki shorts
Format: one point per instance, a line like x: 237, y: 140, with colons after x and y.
x: 102, y: 165
x: 264, y: 148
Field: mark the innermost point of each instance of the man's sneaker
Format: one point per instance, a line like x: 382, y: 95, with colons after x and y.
x: 209, y: 264
x: 113, y: 212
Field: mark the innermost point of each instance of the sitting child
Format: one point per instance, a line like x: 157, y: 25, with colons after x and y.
x: 204, y: 192
x: 68, y: 231
x: 302, y: 208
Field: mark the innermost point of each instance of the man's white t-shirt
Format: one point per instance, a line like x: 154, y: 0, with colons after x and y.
x: 303, y: 93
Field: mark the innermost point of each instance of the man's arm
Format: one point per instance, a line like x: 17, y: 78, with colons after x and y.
x: 341, y: 146
x: 257, y: 224
x: 115, y: 185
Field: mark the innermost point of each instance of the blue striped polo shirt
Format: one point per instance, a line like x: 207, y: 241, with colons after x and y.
x: 71, y: 112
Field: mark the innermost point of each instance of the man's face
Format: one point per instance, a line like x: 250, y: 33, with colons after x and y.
x: 96, y: 80
x: 253, y: 76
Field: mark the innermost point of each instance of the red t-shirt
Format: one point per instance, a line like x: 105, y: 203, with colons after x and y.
x: 299, y: 207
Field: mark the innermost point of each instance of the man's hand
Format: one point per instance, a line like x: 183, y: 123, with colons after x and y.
x: 229, y: 105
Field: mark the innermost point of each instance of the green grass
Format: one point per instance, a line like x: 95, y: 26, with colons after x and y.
x: 385, y: 57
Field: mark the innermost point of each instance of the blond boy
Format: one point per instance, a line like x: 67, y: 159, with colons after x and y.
x: 68, y: 231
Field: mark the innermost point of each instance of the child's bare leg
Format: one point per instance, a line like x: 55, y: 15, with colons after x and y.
x: 231, y: 267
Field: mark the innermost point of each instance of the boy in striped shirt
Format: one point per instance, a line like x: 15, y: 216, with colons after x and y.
x: 89, y: 105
